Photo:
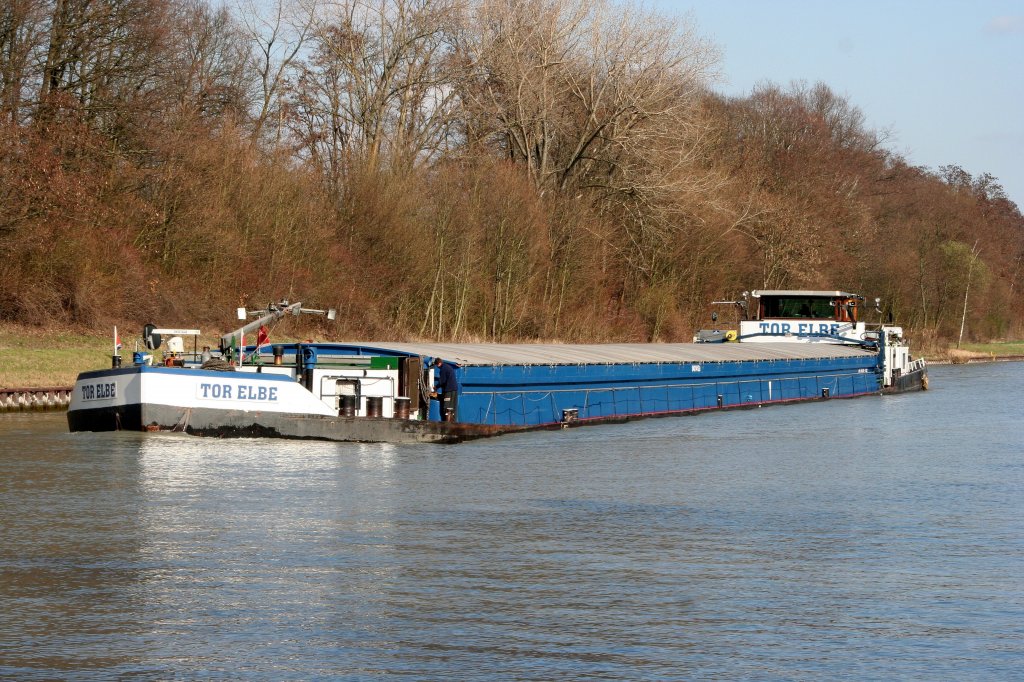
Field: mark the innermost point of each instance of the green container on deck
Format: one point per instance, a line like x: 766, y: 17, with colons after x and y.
x: 383, y: 362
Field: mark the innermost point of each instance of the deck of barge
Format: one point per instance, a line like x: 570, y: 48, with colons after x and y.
x: 548, y: 354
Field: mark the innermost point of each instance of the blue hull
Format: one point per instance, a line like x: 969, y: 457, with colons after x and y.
x: 517, y: 395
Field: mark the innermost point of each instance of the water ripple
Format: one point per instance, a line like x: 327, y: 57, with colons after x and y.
x: 861, y: 539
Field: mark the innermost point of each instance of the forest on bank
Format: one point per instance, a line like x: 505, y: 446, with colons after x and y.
x: 455, y: 169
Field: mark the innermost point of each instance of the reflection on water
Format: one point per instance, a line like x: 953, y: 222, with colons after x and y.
x: 872, y: 538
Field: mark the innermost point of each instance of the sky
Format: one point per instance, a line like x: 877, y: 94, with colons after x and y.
x: 944, y: 78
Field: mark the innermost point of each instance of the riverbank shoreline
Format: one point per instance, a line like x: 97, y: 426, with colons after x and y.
x: 43, y: 399
x: 959, y: 356
x: 977, y: 361
x: 39, y: 360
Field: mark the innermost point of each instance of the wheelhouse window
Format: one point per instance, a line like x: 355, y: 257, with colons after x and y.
x: 805, y: 307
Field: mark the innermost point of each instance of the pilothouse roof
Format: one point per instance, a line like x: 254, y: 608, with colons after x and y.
x: 803, y: 293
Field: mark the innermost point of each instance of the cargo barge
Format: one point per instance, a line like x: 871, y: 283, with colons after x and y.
x: 791, y: 346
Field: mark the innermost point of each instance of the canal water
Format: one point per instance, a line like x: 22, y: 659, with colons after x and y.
x: 877, y: 538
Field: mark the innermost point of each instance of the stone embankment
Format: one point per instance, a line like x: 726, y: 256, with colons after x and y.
x: 34, y: 399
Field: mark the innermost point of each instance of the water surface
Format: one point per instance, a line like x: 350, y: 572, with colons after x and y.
x: 875, y: 538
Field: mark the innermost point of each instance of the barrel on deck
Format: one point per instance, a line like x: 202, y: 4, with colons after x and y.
x: 374, y: 406
x: 402, y: 407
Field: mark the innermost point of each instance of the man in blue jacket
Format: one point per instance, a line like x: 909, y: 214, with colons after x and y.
x: 448, y: 385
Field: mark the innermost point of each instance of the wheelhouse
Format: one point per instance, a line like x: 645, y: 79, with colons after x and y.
x: 838, y: 306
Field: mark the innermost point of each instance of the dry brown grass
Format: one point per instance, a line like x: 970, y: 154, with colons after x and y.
x: 959, y: 356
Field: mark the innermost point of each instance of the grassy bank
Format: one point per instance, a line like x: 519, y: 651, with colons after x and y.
x: 1000, y: 349
x: 33, y: 357
x: 975, y: 352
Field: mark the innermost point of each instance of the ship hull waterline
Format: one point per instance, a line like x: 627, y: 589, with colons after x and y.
x: 221, y: 423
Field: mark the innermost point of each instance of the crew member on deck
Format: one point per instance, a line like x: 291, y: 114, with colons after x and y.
x: 448, y: 385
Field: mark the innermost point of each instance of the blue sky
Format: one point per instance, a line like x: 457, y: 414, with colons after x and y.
x: 945, y: 78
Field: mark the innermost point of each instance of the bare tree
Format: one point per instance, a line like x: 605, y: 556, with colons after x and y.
x: 967, y: 290
x: 211, y: 60
x: 22, y: 35
x: 584, y: 92
x: 279, y: 34
x: 106, y: 58
x: 597, y: 102
x: 379, y: 87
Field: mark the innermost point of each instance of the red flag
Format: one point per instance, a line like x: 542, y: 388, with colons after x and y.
x: 262, y: 336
